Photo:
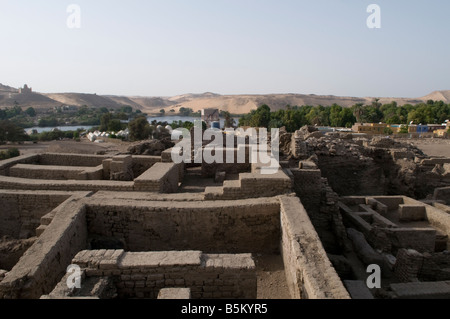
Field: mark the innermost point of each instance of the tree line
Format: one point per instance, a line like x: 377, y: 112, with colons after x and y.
x: 294, y: 117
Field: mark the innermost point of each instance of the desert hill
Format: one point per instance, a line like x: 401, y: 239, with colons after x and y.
x: 438, y: 96
x: 5, y: 88
x: 235, y: 104
x: 80, y: 99
x: 241, y: 104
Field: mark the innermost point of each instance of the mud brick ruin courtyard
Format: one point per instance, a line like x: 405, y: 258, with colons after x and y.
x: 145, y: 227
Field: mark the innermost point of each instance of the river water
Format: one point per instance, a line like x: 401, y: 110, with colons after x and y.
x: 168, y: 119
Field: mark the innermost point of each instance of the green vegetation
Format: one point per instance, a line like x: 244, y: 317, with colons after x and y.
x: 10, y: 153
x: 139, y: 129
x: 229, y: 121
x: 404, y: 130
x: 388, y: 131
x: 432, y: 112
x: 187, y: 125
x: 65, y: 115
x: 55, y: 135
x: 189, y: 112
x: 20, y: 118
x: 112, y: 122
x: 11, y: 132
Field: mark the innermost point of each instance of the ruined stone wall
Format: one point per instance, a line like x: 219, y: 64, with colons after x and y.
x: 56, y: 172
x: 54, y: 159
x: 142, y: 163
x: 44, y: 264
x: 349, y: 175
x: 144, y: 274
x: 251, y: 185
x: 160, y: 178
x: 220, y: 226
x: 33, y: 184
x: 235, y: 166
x: 24, y: 159
x: 442, y: 194
x: 320, y: 202
x: 21, y: 212
x: 309, y: 272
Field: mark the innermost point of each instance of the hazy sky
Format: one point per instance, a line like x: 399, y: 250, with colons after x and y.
x: 170, y: 47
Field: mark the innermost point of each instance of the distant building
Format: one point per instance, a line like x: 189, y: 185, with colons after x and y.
x: 370, y: 128
x: 413, y: 128
x: 25, y: 90
x: 210, y: 115
x: 435, y: 127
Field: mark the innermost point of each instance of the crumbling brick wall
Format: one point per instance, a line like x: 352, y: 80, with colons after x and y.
x: 144, y: 274
x: 309, y: 272
x: 45, y: 262
x: 230, y: 227
x: 21, y: 211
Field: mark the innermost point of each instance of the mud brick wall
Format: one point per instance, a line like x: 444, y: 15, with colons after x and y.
x: 24, y: 159
x: 144, y: 274
x: 235, y: 167
x: 265, y: 185
x: 44, y: 264
x: 435, y: 267
x: 91, y: 174
x: 220, y: 226
x: 142, y: 163
x: 407, y: 265
x: 442, y: 194
x: 309, y: 272
x: 422, y: 240
x: 308, y: 186
x: 21, y: 212
x: 298, y: 147
x: 45, y: 172
x: 387, y: 202
x: 251, y: 185
x: 7, y: 182
x: 439, y: 219
x: 71, y: 159
x: 160, y: 178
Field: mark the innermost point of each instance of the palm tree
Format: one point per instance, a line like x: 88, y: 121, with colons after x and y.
x: 358, y: 111
x: 376, y: 103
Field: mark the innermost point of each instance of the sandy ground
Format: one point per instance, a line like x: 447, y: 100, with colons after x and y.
x: 70, y: 146
x: 271, y: 277
x: 433, y: 147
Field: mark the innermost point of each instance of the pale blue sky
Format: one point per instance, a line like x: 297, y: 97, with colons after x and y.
x: 170, y: 47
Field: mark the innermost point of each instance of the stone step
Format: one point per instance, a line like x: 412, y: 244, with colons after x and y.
x: 231, y: 184
x: 40, y: 230
x: 213, y: 192
x: 47, y: 219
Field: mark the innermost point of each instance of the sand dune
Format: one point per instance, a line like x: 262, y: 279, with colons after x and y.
x: 240, y: 104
